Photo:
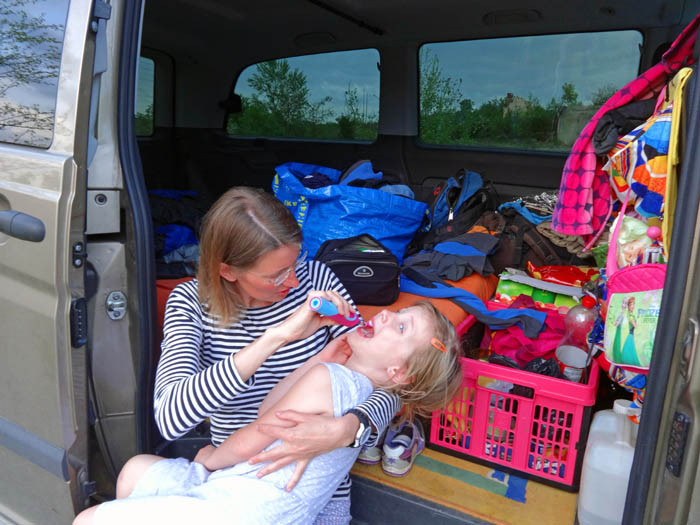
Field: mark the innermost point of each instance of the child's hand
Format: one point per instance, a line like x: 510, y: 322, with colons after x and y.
x: 337, y: 351
x: 204, y: 454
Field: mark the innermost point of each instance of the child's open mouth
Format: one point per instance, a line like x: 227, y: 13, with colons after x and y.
x: 367, y: 330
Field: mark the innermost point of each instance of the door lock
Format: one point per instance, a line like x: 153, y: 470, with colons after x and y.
x: 116, y: 305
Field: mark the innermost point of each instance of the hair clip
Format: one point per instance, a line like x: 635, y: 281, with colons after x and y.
x: 438, y: 344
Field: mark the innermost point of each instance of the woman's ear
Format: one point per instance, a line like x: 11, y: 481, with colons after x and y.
x: 227, y: 272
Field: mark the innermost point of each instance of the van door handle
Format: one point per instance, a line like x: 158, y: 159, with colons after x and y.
x: 22, y: 226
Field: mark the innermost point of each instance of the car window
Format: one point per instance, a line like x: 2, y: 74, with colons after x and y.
x: 143, y: 113
x: 532, y: 93
x: 324, y: 96
x: 31, y: 41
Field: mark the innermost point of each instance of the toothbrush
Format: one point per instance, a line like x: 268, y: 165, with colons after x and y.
x: 327, y: 308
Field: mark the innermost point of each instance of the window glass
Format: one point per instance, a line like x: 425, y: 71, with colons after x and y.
x: 325, y: 96
x: 534, y: 92
x: 31, y: 41
x: 143, y: 116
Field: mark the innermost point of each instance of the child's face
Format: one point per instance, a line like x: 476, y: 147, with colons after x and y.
x: 392, y: 337
x: 630, y: 304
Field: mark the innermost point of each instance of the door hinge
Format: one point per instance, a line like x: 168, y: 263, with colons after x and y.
x: 101, y: 10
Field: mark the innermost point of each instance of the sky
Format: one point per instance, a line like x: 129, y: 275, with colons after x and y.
x: 525, y: 66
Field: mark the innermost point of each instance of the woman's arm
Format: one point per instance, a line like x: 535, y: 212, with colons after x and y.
x: 311, y: 394
x: 185, y: 394
x: 312, y: 435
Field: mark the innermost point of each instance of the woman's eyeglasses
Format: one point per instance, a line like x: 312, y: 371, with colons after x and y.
x: 277, y: 281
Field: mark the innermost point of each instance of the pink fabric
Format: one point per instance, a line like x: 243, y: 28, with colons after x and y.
x: 511, y: 342
x: 585, y: 203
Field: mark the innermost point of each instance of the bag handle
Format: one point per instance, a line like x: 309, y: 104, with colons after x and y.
x: 611, y: 262
x: 299, y: 208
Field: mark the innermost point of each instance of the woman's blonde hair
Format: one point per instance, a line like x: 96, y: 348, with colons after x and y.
x: 433, y: 376
x: 242, y: 225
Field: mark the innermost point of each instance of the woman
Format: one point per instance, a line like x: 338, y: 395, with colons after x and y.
x: 237, y: 330
x: 403, y: 352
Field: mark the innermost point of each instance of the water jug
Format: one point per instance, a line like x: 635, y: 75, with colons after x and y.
x: 606, y: 465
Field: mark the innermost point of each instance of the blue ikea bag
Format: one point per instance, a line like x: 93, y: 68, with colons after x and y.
x: 338, y: 211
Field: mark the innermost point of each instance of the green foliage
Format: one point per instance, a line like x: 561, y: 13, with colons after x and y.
x: 280, y: 107
x: 143, y: 122
x: 602, y: 94
x: 511, y: 121
x: 569, y: 96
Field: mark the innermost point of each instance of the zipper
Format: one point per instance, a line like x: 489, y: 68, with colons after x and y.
x: 355, y: 261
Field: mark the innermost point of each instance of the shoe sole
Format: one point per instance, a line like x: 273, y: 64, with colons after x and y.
x: 369, y: 461
x: 396, y: 472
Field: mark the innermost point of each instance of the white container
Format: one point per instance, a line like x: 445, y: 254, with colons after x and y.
x: 606, y: 465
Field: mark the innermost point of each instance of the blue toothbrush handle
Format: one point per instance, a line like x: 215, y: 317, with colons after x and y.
x: 327, y: 308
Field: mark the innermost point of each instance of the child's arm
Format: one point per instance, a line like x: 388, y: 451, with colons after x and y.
x: 311, y: 393
x: 337, y: 351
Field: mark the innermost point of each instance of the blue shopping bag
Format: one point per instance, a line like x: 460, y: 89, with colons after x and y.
x: 337, y: 210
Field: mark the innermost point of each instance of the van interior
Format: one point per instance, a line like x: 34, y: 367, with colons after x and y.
x: 370, y: 80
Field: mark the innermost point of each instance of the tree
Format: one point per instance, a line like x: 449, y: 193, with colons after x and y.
x: 284, y: 93
x: 439, y: 101
x: 569, y: 96
x: 31, y: 54
x: 602, y: 94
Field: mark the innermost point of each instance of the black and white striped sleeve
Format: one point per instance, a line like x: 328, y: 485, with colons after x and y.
x: 380, y: 407
x: 184, y: 394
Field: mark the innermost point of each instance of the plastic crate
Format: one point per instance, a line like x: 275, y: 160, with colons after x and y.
x: 539, y: 432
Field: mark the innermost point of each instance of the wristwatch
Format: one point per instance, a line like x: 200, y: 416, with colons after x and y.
x: 365, y: 428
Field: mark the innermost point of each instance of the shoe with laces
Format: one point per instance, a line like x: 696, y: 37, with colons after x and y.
x: 403, y: 442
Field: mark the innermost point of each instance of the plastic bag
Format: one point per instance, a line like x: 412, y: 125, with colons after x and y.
x: 338, y: 211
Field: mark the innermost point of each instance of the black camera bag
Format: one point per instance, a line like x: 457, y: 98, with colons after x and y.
x: 367, y: 269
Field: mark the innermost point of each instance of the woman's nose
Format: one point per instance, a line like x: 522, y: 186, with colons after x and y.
x: 291, y: 281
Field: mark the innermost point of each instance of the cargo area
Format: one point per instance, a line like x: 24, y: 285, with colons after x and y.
x: 511, y: 448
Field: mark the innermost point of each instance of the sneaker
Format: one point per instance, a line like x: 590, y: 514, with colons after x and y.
x: 402, y: 444
x: 372, y: 455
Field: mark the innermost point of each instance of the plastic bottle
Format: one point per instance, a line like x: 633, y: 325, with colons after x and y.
x: 579, y: 322
x: 606, y: 465
x: 572, y: 351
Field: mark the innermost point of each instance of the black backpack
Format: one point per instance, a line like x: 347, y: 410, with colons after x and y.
x: 461, y: 220
x: 520, y: 242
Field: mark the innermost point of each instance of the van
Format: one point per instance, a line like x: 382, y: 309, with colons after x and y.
x: 105, y: 101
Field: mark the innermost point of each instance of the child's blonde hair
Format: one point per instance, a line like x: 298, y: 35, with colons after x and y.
x: 433, y: 376
x: 242, y: 225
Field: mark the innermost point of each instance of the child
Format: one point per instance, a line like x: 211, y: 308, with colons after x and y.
x: 413, y: 352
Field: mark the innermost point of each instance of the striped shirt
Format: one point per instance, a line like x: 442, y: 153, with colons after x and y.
x: 196, y: 376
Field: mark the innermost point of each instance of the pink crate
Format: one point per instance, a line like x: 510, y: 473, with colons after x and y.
x: 541, y: 433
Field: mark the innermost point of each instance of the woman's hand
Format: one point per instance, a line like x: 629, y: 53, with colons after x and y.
x: 204, y: 454
x: 311, y: 436
x: 304, y: 322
